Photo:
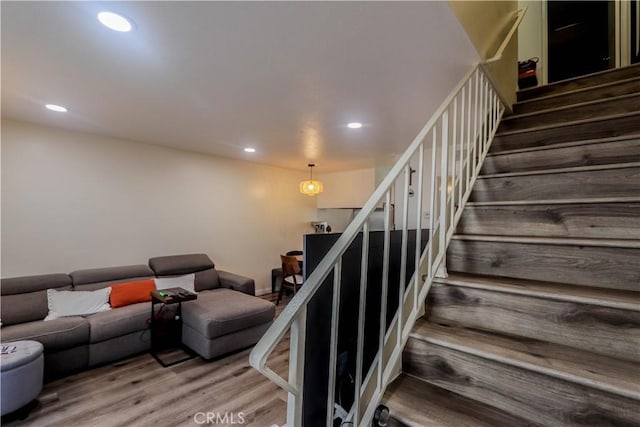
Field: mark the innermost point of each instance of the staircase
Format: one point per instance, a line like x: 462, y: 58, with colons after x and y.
x: 538, y: 322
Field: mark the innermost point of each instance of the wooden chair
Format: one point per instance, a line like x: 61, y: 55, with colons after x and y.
x: 276, y: 273
x: 291, y: 277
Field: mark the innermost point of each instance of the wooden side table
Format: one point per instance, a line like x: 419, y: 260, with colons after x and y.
x: 166, y: 333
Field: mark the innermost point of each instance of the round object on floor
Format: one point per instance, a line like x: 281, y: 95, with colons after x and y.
x: 21, y: 370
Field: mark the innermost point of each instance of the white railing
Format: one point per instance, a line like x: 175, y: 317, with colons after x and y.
x: 512, y: 30
x: 448, y: 152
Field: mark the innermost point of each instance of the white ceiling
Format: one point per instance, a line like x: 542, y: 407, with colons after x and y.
x: 214, y: 77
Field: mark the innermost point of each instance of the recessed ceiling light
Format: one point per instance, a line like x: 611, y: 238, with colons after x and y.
x: 354, y: 125
x: 115, y: 22
x: 57, y: 108
x: 250, y: 150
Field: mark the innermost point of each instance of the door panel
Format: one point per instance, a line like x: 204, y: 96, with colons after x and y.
x: 635, y: 31
x: 581, y: 38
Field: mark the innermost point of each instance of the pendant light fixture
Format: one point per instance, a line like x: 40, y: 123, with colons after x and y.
x: 311, y: 187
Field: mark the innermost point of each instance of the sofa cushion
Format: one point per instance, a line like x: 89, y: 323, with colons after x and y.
x: 23, y: 308
x: 206, y: 276
x: 222, y: 311
x: 206, y: 280
x: 24, y: 299
x: 42, y: 282
x: 98, y: 278
x: 237, y: 283
x: 132, y: 292
x: 76, y: 303
x: 58, y: 334
x: 173, y: 265
x: 118, y: 322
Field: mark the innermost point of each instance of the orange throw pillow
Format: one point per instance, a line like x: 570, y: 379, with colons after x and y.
x: 131, y: 292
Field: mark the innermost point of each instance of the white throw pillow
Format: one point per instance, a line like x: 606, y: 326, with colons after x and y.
x: 77, y: 303
x: 185, y: 282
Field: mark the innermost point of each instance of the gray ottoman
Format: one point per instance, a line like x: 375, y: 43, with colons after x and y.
x: 21, y: 369
x: 221, y: 321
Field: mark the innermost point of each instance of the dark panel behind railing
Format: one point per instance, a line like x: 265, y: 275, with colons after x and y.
x: 316, y: 367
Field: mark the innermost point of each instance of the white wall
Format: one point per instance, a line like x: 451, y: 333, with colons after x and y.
x: 73, y: 201
x: 338, y: 219
x: 487, y: 23
x: 399, y: 191
x: 348, y: 189
x: 531, y: 34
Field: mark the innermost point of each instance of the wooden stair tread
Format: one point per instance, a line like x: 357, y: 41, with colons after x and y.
x: 596, y: 329
x: 540, y: 314
x: 632, y: 243
x: 597, y: 127
x: 415, y: 403
x: 569, y: 113
x: 576, y: 220
x: 607, y: 180
x: 577, y: 366
x: 550, y: 260
x: 571, y: 107
x: 620, y: 299
x: 579, y: 82
x: 564, y: 145
x: 557, y: 157
x: 534, y: 396
x: 557, y: 201
x: 567, y: 124
x: 604, y: 91
x: 579, y: 90
x: 562, y: 170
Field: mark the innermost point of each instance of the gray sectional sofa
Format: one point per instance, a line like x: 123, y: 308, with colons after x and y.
x: 225, y: 317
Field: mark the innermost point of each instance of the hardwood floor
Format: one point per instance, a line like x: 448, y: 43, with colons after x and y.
x: 139, y: 392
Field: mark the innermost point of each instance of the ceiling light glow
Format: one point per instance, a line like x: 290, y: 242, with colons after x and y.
x: 115, y: 22
x: 56, y: 108
x: 354, y: 125
x: 250, y: 150
x: 311, y: 187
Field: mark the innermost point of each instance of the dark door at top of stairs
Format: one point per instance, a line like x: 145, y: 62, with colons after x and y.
x: 635, y: 31
x: 581, y: 38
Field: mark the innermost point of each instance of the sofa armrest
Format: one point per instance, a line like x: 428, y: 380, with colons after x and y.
x: 237, y: 282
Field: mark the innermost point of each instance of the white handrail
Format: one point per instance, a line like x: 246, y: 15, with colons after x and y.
x: 281, y: 325
x: 487, y: 111
x: 473, y: 96
x: 498, y: 56
x: 450, y: 188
